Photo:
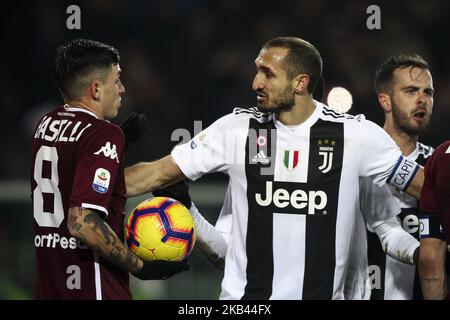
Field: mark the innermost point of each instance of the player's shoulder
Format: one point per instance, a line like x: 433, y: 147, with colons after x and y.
x: 443, y: 150
x: 252, y: 113
x: 330, y: 114
x: 105, y: 129
x: 95, y: 129
x: 445, y: 146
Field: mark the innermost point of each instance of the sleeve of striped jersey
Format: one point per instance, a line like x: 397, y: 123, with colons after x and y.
x: 377, y: 202
x: 396, y: 242
x: 379, y: 153
x: 209, y: 239
x: 224, y: 222
x: 212, y: 150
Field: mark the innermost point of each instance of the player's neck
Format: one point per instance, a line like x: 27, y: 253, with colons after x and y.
x: 86, y: 106
x: 406, y: 142
x: 301, y: 111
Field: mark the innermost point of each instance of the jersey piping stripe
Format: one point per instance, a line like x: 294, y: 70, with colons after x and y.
x: 252, y: 111
x: 332, y: 111
x: 336, y: 116
x: 95, y: 207
x: 98, y: 281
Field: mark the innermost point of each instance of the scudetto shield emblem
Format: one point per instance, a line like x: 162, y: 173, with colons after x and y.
x: 291, y: 159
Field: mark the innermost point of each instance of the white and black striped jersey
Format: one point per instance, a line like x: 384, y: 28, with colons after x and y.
x: 294, y: 193
x: 399, y: 281
x: 376, y: 204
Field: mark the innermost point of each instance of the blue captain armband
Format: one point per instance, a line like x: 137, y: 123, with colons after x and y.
x: 430, y: 226
x: 403, y: 173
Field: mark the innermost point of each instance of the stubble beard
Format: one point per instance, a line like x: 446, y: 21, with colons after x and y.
x: 404, y: 124
x: 283, y: 103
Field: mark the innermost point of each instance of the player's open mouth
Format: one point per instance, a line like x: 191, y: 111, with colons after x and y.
x: 260, y: 97
x: 419, y: 115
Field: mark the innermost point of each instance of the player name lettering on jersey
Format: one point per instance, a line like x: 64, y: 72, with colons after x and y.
x: 295, y: 200
x: 60, y: 130
x: 52, y: 240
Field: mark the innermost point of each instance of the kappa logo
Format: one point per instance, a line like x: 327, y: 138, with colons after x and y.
x: 326, y: 149
x: 108, y: 151
x: 260, y: 157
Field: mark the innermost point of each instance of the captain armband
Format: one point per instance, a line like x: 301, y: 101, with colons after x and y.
x: 403, y: 173
x: 430, y: 227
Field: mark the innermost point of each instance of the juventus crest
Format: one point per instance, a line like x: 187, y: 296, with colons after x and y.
x: 326, y: 149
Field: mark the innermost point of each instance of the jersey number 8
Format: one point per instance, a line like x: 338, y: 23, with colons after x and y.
x: 47, y: 186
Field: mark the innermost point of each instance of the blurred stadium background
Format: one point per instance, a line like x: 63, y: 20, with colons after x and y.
x: 187, y: 60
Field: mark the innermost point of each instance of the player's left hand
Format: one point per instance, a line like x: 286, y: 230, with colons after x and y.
x: 133, y: 128
x: 178, y: 191
x: 160, y: 270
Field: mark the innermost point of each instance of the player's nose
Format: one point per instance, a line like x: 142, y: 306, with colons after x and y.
x: 421, y: 99
x: 257, y: 83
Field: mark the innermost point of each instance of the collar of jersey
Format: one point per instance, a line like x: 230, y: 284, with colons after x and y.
x: 415, y: 154
x: 308, y: 123
x: 77, y: 109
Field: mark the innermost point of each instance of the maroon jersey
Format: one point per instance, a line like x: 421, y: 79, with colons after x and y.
x: 77, y: 161
x: 435, y: 195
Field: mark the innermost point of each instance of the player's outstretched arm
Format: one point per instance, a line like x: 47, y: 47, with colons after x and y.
x: 212, y: 243
x: 396, y: 242
x: 145, y: 177
x: 416, y: 184
x: 432, y: 268
x: 87, y: 226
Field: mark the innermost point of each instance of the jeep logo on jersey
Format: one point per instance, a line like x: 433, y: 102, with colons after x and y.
x: 108, y: 151
x: 326, y: 148
x: 291, y: 200
x: 290, y: 160
x: 410, y: 223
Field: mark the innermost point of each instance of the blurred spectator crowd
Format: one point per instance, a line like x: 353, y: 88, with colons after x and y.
x: 186, y: 60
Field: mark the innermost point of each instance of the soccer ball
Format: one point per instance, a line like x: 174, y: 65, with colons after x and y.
x: 160, y: 228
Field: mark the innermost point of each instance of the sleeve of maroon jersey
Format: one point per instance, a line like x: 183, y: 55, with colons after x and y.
x: 99, y: 158
x: 427, y: 200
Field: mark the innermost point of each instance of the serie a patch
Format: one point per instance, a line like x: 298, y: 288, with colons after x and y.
x: 101, y: 181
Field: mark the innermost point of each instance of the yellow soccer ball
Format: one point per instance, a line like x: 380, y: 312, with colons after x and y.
x: 160, y: 228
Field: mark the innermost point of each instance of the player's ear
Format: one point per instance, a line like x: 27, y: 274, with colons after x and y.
x: 385, y: 102
x: 95, y: 89
x: 300, y: 83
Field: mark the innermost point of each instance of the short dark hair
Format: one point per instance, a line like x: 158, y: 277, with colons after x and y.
x: 77, y: 60
x: 385, y: 72
x: 302, y: 57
